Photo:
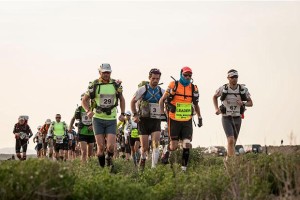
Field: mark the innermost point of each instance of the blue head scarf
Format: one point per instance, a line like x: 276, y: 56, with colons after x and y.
x: 183, y: 81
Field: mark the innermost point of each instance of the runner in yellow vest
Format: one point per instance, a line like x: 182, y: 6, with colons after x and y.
x: 58, y: 131
x: 106, y: 93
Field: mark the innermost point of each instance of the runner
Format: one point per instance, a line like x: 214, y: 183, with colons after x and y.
x: 38, y: 138
x: 106, y: 93
x: 73, y: 138
x: 132, y: 137
x: 122, y: 140
x: 182, y: 98
x: 86, y: 136
x: 148, y: 116
x: 57, y: 130
x: 47, y: 141
x: 22, y: 133
x: 234, y: 98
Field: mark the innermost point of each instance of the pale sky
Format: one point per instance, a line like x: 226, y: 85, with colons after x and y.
x: 51, y: 50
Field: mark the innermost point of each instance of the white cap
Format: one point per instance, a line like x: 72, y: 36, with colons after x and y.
x: 127, y: 112
x: 39, y: 127
x: 48, y: 121
x: 105, y: 67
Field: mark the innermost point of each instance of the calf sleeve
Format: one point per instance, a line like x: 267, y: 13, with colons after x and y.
x: 185, y: 156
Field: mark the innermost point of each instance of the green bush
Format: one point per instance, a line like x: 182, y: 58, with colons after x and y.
x: 250, y: 176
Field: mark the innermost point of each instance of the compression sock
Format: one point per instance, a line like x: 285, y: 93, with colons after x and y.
x: 101, y: 160
x: 185, y: 156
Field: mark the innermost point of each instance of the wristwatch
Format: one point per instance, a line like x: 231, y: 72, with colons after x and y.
x: 123, y: 114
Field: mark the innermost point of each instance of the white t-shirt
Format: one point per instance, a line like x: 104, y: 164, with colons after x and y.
x: 230, y: 102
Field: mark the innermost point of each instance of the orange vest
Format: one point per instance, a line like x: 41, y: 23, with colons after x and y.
x: 183, y: 95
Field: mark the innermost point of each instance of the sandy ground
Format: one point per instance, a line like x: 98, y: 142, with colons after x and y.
x: 9, y: 156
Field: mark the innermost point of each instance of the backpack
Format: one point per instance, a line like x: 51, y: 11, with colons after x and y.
x: 143, y: 104
x: 64, y: 123
x: 146, y: 84
x: 195, y: 93
x: 195, y: 96
x: 78, y: 113
x: 93, y: 86
x: 242, y: 93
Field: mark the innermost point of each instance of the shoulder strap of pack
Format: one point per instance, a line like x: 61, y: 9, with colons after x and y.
x: 160, y: 92
x: 93, y: 87
x: 146, y: 90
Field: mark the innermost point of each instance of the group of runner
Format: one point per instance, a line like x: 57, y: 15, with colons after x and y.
x: 97, y: 120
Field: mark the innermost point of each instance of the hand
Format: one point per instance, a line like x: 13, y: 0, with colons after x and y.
x: 240, y: 102
x: 136, y: 119
x: 90, y: 114
x: 90, y: 128
x: 70, y: 130
x: 122, y: 118
x: 17, y: 135
x: 218, y: 111
x: 200, y: 121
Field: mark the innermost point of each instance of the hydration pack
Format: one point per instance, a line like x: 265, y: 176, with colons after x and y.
x: 93, y: 87
x: 242, y: 93
x: 195, y: 96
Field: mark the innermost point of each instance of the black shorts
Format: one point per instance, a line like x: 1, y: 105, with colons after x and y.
x: 179, y: 130
x: 21, y: 144
x: 72, y: 146
x: 133, y: 140
x: 39, y: 146
x: 86, y: 138
x: 127, y: 148
x: 146, y: 126
x: 61, y: 146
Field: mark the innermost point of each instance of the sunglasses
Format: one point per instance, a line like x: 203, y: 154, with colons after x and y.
x: 187, y: 75
x: 106, y: 72
x: 234, y: 77
x: 57, y: 117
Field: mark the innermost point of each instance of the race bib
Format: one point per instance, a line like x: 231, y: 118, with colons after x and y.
x: 23, y: 136
x: 183, y: 111
x: 59, y: 139
x: 107, y: 100
x: 85, y: 119
x: 232, y: 108
x: 154, y: 110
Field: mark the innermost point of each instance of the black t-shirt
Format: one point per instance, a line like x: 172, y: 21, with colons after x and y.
x: 22, y: 128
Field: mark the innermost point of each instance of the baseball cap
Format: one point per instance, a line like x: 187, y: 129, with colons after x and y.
x: 21, y: 118
x: 186, y: 69
x: 127, y: 112
x: 105, y: 67
x: 48, y: 121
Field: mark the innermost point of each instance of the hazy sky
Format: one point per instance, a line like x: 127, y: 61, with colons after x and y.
x: 51, y: 50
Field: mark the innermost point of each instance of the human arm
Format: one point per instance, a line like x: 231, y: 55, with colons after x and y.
x: 71, y: 124
x: 134, y: 110
x: 162, y: 102
x: 85, y: 102
x: 122, y: 107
